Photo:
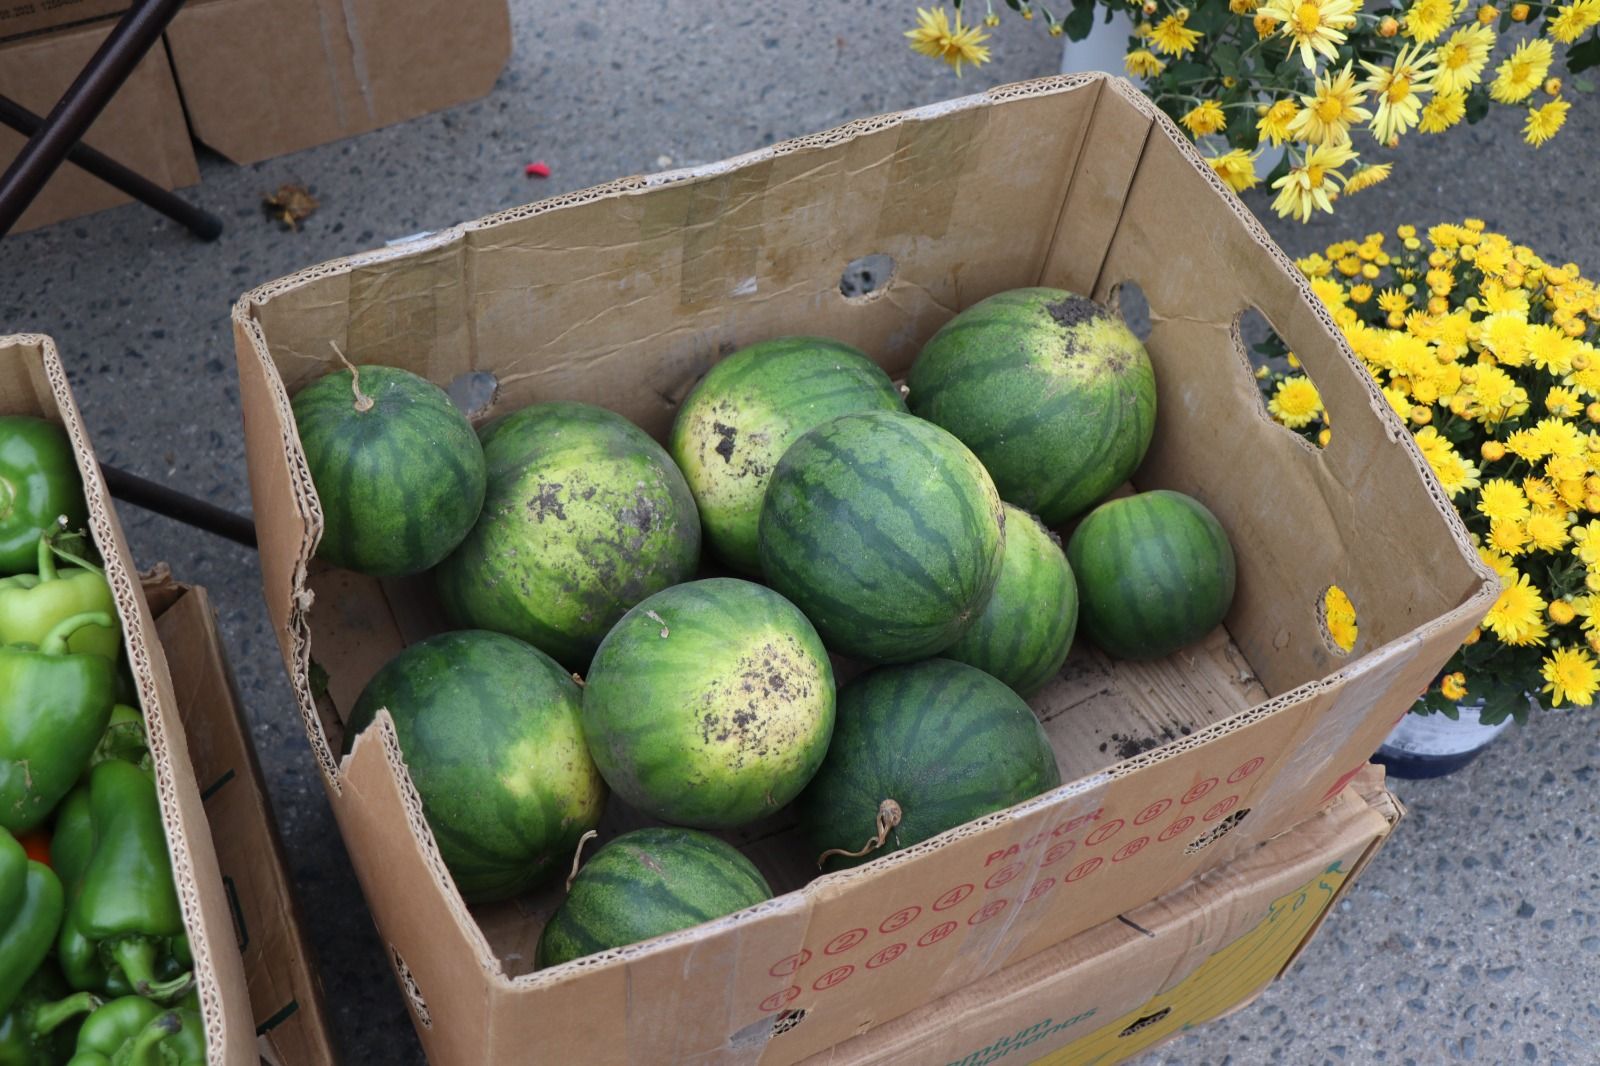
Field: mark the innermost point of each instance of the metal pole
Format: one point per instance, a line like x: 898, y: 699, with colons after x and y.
x: 202, y: 224
x: 133, y: 37
x: 133, y: 489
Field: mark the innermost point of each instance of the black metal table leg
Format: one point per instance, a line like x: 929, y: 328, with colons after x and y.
x: 135, y: 34
x: 202, y: 224
x: 130, y: 488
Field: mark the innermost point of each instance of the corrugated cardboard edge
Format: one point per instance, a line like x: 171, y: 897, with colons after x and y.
x: 218, y: 970
x: 291, y: 1015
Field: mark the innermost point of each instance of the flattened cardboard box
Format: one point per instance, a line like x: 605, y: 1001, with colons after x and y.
x: 290, y: 1019
x: 624, y: 295
x: 1203, y: 951
x: 30, y: 16
x: 143, y: 125
x: 33, y: 382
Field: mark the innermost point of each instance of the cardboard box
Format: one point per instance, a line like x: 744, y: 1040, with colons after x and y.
x: 18, y: 17
x: 263, y: 78
x: 287, y: 1009
x: 1206, y: 950
x: 33, y: 382
x: 142, y: 127
x: 623, y: 295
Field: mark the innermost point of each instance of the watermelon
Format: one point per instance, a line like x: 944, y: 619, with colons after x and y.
x: 398, y: 470
x: 585, y: 516
x: 491, y: 732
x: 647, y: 883
x: 1024, y: 632
x: 885, y: 531
x: 710, y: 704
x: 1155, y: 572
x: 932, y: 745
x: 744, y: 414
x: 1050, y: 389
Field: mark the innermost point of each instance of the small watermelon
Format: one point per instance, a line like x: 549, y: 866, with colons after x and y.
x: 710, y: 704
x: 919, y: 749
x: 398, y: 471
x: 491, y: 732
x: 1024, y: 632
x: 885, y: 531
x: 744, y: 414
x: 1050, y: 389
x: 1155, y: 572
x: 585, y: 516
x: 647, y: 883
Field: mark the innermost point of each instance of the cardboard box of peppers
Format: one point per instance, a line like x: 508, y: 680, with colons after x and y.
x: 94, y: 961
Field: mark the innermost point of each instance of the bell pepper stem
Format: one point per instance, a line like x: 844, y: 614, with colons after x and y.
x: 50, y: 1017
x: 137, y: 957
x: 57, y: 551
x: 144, y: 1050
x: 55, y: 641
x: 47, y: 560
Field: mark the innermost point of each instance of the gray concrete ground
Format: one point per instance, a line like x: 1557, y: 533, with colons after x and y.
x: 1467, y: 940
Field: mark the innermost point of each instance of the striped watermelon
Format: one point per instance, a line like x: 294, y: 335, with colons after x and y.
x: 710, y: 704
x: 398, y: 471
x: 1024, y: 632
x: 647, y: 883
x: 744, y: 414
x: 885, y: 531
x: 1050, y: 389
x: 491, y: 732
x: 944, y: 741
x: 585, y: 516
x: 1155, y: 572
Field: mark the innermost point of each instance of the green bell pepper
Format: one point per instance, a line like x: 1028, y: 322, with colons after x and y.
x: 39, y: 484
x: 31, y: 604
x: 54, y: 706
x: 30, y: 913
x: 35, y: 1031
x: 131, y: 1031
x: 123, y: 926
x: 123, y: 739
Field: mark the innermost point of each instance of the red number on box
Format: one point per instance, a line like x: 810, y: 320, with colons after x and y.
x: 1152, y: 812
x: 936, y: 934
x: 1199, y: 790
x: 786, y: 967
x: 1246, y: 770
x: 778, y: 1000
x: 952, y: 897
x: 1084, y: 869
x: 836, y: 976
x: 886, y: 956
x: 1130, y: 849
x: 1104, y: 833
x: 844, y: 942
x: 1221, y: 807
x: 1001, y: 876
x: 987, y: 911
x: 1175, y: 828
x: 900, y: 919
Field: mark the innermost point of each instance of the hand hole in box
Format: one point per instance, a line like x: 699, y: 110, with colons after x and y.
x: 1217, y: 832
x: 1128, y: 300
x: 1336, y: 617
x: 1288, y: 394
x: 1146, y: 1022
x: 413, y: 993
x: 787, y: 1020
x: 474, y: 393
x: 867, y: 278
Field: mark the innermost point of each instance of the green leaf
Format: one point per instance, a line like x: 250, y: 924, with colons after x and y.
x: 1226, y: 57
x: 1189, y: 70
x: 1208, y: 18
x: 1278, y: 171
x: 1582, y: 57
x: 1477, y: 104
x: 1583, y: 85
x: 1081, y: 21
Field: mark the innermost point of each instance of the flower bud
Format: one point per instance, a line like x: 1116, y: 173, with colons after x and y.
x: 1488, y: 13
x: 1492, y: 451
x: 1561, y: 612
x: 1552, y: 86
x: 1472, y: 638
x: 1421, y: 415
x: 1519, y: 12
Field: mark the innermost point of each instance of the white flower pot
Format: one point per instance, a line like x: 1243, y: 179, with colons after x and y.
x: 1107, y: 46
x: 1431, y: 745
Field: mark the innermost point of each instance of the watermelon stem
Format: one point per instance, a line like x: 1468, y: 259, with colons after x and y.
x: 889, y: 815
x: 577, y: 856
x: 363, y: 401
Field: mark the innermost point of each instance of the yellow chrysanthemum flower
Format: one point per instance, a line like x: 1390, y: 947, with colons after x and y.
x: 1551, y: 350
x: 1295, y: 402
x: 1506, y: 335
x: 1502, y: 500
x: 1547, y: 530
x: 1340, y: 615
x: 1206, y: 117
x: 1455, y: 473
x: 1540, y: 492
x: 1366, y: 177
x: 1517, y: 617
x: 1545, y: 122
x: 1586, y: 542
x: 1561, y: 612
x: 1315, y: 27
x: 1561, y: 440
x: 1396, y: 87
x: 1236, y: 168
x: 1520, y: 73
x: 1462, y: 59
x: 1425, y: 20
x: 1508, y: 537
x: 1243, y: 7
x: 1360, y: 294
x: 1572, y: 19
x: 1332, y: 108
x: 1398, y: 400
x: 1142, y: 63
x: 1172, y: 38
x: 1274, y: 126
x: 1570, y: 676
x: 1453, y: 686
x: 935, y: 36
x: 1313, y: 184
x: 1500, y: 565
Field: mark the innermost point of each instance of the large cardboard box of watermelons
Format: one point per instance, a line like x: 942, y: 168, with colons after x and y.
x: 1198, y: 953
x: 623, y: 296
x: 33, y: 382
